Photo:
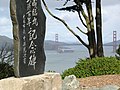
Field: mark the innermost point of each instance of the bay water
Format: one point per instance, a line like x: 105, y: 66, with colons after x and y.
x: 59, y: 62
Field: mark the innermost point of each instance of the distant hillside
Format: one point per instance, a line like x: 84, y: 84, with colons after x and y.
x: 111, y: 43
x: 49, y: 44
x: 5, y: 40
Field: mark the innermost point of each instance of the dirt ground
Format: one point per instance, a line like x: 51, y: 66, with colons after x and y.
x: 99, y: 81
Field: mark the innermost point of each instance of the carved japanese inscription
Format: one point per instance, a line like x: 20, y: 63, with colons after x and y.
x: 28, y: 31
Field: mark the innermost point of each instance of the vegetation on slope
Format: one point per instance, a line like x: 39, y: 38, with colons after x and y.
x: 94, y: 67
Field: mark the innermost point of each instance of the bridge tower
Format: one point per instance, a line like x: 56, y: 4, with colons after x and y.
x: 56, y: 41
x: 114, y: 41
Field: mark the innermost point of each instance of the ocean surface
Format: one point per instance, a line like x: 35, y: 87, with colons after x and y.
x: 59, y: 62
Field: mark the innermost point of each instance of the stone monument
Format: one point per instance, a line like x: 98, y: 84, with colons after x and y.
x: 28, y: 21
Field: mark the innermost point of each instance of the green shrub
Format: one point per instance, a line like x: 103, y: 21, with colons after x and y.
x: 94, y: 67
x: 6, y: 70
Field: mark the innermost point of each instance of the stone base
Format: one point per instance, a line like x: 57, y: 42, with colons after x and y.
x: 47, y: 81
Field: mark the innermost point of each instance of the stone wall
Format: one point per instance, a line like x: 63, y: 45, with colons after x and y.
x: 47, y: 81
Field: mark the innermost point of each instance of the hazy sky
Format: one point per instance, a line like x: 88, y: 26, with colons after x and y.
x: 111, y: 20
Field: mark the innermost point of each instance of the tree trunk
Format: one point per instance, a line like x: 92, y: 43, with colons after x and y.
x: 100, y: 51
x: 91, y: 32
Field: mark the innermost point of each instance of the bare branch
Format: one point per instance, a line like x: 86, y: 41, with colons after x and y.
x: 81, y: 19
x: 66, y: 2
x: 65, y: 25
x: 6, y: 53
x: 79, y: 38
x: 70, y: 8
x: 3, y: 49
x: 83, y: 13
x: 81, y: 30
x: 80, y: 2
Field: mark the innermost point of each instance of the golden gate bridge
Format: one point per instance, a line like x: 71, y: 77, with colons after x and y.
x: 114, y: 37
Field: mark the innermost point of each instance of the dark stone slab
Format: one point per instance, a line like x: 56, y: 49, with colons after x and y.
x: 28, y: 31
